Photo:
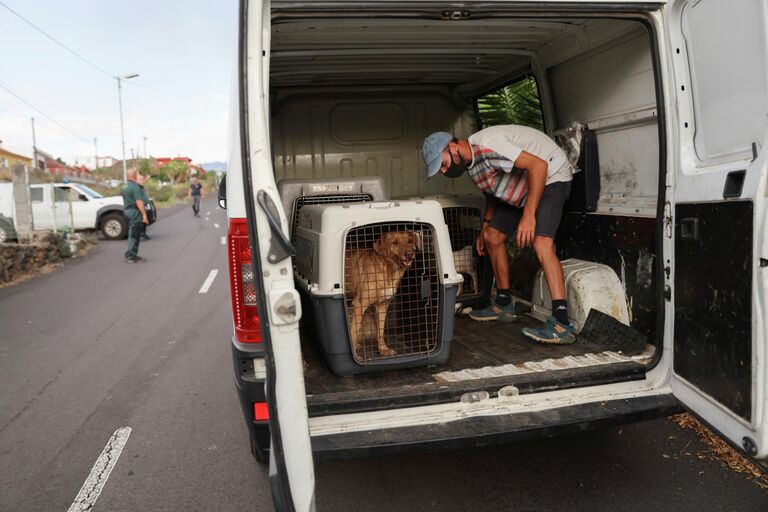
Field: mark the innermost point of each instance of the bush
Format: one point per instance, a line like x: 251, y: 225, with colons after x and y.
x: 159, y: 194
x: 181, y: 190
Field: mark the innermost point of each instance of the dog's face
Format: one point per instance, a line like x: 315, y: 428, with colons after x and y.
x: 398, y: 246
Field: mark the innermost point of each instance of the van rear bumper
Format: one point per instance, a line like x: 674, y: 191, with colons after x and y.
x: 488, y: 430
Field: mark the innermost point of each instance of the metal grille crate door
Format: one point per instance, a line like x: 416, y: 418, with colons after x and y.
x: 381, y: 278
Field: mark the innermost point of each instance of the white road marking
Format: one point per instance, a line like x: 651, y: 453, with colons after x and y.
x: 101, y: 470
x: 208, y: 281
x: 223, y: 240
x: 216, y: 225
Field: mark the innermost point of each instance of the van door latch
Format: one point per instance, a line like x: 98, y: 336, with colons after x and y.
x: 668, y: 219
x: 279, y: 245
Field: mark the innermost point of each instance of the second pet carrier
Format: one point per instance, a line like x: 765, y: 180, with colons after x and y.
x: 463, y: 216
x: 297, y: 193
x: 380, y: 283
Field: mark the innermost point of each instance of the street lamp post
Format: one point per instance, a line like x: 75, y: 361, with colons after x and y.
x: 122, y: 128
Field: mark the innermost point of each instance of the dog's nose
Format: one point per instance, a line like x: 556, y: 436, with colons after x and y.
x: 409, y: 254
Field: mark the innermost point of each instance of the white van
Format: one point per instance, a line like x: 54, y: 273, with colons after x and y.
x: 675, y: 94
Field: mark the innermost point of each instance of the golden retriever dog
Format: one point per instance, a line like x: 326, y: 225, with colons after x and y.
x: 372, y: 277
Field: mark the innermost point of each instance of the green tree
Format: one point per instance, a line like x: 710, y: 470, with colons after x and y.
x: 517, y: 103
x: 174, y: 169
x: 147, y: 166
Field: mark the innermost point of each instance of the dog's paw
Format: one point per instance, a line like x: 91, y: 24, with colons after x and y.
x: 387, y: 352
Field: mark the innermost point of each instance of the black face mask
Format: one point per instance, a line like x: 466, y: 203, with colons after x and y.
x: 456, y: 169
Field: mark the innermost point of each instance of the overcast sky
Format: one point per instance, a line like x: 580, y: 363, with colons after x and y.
x: 185, y: 47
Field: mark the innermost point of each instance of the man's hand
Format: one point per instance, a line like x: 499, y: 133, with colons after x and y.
x: 526, y: 230
x: 480, y: 242
x: 144, y: 219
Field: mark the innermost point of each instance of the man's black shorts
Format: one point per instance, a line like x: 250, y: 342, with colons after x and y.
x: 548, y: 213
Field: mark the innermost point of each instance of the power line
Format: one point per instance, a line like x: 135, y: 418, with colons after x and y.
x: 96, y: 66
x: 46, y: 34
x: 51, y: 119
x: 145, y: 86
x: 14, y: 114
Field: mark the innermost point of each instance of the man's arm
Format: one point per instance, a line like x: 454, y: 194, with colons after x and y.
x: 140, y: 206
x: 537, y: 178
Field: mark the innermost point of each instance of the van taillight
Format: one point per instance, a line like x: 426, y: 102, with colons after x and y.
x: 242, y: 285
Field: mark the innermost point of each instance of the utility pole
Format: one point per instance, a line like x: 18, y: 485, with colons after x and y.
x: 95, y: 154
x: 34, y: 145
x: 145, y: 147
x: 122, y: 127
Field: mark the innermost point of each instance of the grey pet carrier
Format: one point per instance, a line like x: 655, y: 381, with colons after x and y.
x: 463, y: 216
x: 379, y: 283
x: 297, y: 193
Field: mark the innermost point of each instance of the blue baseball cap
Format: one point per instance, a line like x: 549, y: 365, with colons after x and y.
x: 432, y: 151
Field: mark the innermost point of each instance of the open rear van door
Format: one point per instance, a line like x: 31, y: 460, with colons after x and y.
x: 279, y: 308
x: 718, y: 54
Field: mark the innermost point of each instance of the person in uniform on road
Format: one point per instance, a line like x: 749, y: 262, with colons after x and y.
x: 526, y: 179
x: 195, y: 192
x: 135, y: 215
x: 141, y: 180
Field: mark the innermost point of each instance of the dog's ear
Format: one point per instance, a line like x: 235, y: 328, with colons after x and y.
x: 378, y: 245
x: 417, y: 238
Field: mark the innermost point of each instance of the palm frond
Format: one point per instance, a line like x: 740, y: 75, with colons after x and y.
x: 517, y: 103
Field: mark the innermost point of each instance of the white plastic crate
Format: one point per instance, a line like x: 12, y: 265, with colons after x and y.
x: 393, y: 322
x: 588, y: 286
x: 297, y: 193
x: 463, y: 215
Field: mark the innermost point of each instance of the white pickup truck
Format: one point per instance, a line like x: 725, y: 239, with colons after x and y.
x: 51, y: 209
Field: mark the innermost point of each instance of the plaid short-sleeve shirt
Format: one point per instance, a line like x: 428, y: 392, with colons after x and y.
x: 497, y: 176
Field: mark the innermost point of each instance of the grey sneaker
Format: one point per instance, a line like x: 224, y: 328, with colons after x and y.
x: 551, y: 333
x: 137, y: 259
x: 495, y: 312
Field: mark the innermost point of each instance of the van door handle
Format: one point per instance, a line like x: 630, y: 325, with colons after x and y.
x: 279, y: 245
x: 689, y: 229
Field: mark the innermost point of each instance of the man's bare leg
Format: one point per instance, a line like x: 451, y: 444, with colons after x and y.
x: 561, y: 331
x: 503, y: 307
x: 544, y: 247
x: 496, y: 247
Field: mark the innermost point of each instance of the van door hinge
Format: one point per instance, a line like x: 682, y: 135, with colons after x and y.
x: 668, y: 219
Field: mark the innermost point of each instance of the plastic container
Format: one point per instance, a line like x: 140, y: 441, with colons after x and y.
x: 588, y: 286
x: 418, y: 303
x: 463, y: 216
x: 297, y: 193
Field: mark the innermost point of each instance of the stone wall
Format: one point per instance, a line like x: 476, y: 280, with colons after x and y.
x: 20, y: 259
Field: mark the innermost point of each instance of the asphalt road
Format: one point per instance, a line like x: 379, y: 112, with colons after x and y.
x: 99, y: 345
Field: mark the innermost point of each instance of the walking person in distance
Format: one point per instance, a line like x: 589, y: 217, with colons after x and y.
x: 196, y: 193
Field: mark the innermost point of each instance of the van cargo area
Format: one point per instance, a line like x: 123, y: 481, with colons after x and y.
x: 353, y: 95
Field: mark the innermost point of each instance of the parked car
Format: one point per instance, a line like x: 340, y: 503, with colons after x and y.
x: 57, y: 205
x: 675, y: 95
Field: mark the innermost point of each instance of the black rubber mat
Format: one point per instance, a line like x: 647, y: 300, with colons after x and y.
x: 610, y: 334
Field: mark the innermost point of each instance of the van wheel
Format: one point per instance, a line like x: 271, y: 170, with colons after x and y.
x: 113, y: 226
x: 261, y: 455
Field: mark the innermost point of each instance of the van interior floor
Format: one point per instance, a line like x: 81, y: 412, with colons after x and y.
x: 485, y: 356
